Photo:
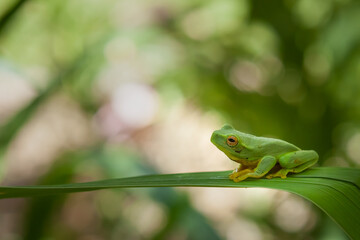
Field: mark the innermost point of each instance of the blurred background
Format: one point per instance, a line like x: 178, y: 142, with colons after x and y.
x: 115, y: 88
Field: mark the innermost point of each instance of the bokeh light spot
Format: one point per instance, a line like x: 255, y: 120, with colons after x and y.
x: 247, y: 76
x: 353, y: 148
x: 135, y: 104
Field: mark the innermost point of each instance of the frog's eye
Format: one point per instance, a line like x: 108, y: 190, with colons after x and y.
x: 232, y: 141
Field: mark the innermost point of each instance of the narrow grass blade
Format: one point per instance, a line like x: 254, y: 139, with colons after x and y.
x: 334, y: 190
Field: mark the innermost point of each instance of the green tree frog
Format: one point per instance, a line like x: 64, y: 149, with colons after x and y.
x: 259, y: 156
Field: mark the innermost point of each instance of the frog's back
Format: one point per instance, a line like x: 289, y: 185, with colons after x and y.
x: 267, y: 146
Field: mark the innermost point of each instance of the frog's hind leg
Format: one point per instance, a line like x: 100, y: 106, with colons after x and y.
x: 295, y: 162
x: 284, y: 171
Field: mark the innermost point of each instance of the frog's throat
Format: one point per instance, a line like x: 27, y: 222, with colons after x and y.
x: 245, y: 162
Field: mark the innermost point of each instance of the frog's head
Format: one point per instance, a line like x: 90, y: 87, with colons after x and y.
x: 228, y: 140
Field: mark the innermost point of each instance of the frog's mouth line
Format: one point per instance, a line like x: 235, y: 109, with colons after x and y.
x: 238, y: 151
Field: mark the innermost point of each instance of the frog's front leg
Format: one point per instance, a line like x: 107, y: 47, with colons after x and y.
x: 295, y: 162
x: 239, y: 172
x: 242, y: 169
x: 263, y: 167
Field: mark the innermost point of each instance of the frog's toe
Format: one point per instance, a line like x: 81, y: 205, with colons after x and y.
x: 239, y: 174
x: 269, y: 176
x: 283, y: 176
x: 236, y: 180
x: 234, y: 175
x: 281, y: 173
x: 241, y: 178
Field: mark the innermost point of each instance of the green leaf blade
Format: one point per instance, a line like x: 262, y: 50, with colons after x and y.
x: 334, y: 190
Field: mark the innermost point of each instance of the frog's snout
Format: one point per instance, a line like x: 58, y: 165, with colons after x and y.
x: 215, y: 137
x: 212, y: 137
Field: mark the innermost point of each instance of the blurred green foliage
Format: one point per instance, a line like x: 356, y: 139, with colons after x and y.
x: 288, y: 69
